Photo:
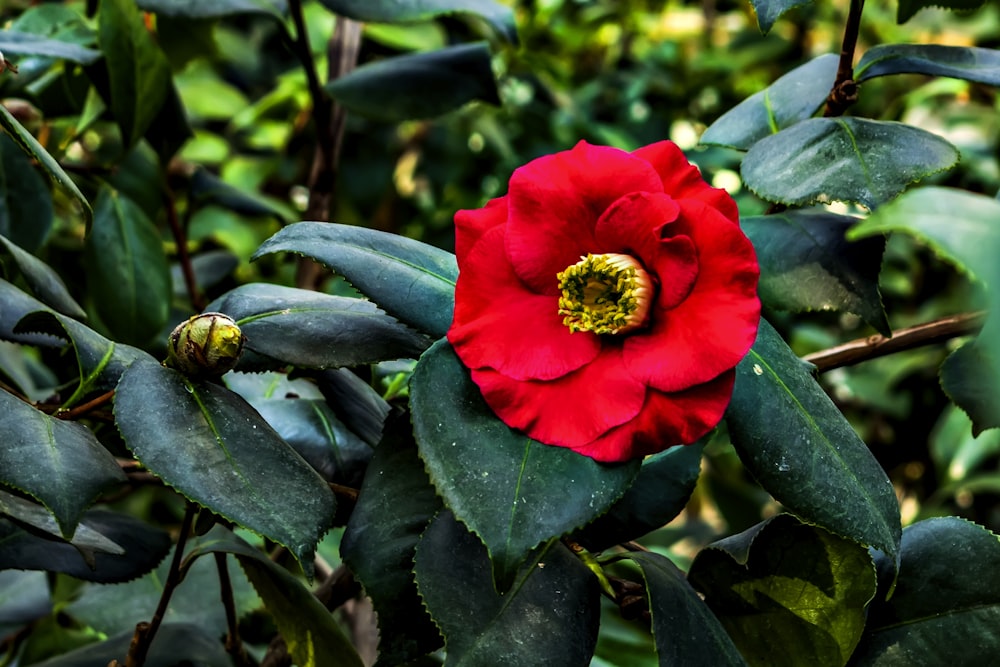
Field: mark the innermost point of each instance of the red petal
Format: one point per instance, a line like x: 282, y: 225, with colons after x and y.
x: 664, y: 421
x: 683, y: 180
x: 712, y: 329
x: 631, y: 225
x: 570, y: 411
x: 472, y: 224
x: 500, y: 324
x: 555, y: 202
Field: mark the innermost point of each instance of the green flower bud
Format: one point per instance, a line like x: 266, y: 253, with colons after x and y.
x: 207, y: 345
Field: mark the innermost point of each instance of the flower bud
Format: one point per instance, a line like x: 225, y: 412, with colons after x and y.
x: 206, y: 345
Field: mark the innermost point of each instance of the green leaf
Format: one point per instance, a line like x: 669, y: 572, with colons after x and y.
x: 207, y: 188
x: 207, y: 443
x: 658, y: 494
x: 313, y: 637
x: 498, y: 15
x: 788, y: 593
x: 43, y: 282
x: 315, y: 330
x: 512, y: 491
x: 806, y: 264
x: 971, y: 378
x: 30, y: 145
x: 412, y: 281
x: 549, y: 617
x: 59, y: 463
x: 686, y: 631
x: 138, y: 72
x: 420, y: 85
x: 843, y: 159
x: 801, y: 449
x: 960, y: 62
x: 175, y: 643
x: 946, y: 604
x: 907, y: 8
x: 792, y: 98
x: 17, y: 304
x: 127, y: 272
x: 355, y: 402
x: 208, y: 9
x: 394, y: 507
x: 13, y: 42
x: 25, y: 201
x: 769, y: 11
x: 40, y: 521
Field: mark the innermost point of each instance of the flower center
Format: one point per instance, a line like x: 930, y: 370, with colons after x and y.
x: 606, y: 294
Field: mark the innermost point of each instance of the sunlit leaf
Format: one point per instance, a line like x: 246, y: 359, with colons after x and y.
x: 961, y: 62
x: 769, y: 11
x: 13, y: 42
x: 907, y: 8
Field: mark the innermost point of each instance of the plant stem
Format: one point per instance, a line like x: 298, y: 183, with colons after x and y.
x: 845, y: 90
x: 234, y: 645
x: 146, y: 632
x: 81, y: 410
x: 180, y: 239
x: 870, y: 347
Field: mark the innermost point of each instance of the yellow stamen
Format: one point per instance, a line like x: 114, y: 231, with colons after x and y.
x: 606, y: 294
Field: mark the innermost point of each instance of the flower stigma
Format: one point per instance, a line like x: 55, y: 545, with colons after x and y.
x: 605, y: 294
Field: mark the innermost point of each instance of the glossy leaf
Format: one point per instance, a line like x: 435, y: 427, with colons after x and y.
x: 394, y: 507
x: 802, y: 450
x: 43, y: 282
x: 40, y: 521
x: 971, y: 378
x: 174, y: 643
x: 127, y: 271
x: 410, y: 280
x: 685, y: 629
x: 769, y: 11
x: 496, y: 480
x: 907, y: 8
x: 960, y: 62
x: 554, y: 596
x: 210, y: 445
x: 946, y: 603
x: 25, y: 201
x: 807, y: 264
x: 209, y: 9
x: 844, y: 159
x: 658, y: 494
x: 420, y: 85
x: 30, y: 145
x: 17, y: 304
x: 359, y: 406
x: 316, y: 330
x: 59, y: 463
x: 788, y: 593
x: 207, y: 188
x: 792, y: 98
x: 496, y: 13
x: 14, y: 42
x: 138, y: 72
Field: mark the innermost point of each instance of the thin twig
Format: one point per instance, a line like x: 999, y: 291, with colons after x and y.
x: 83, y: 409
x: 845, y: 90
x: 863, y: 349
x: 234, y: 645
x: 183, y: 257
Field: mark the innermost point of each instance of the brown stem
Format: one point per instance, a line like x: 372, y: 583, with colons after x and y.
x: 180, y: 239
x: 146, y: 632
x: 871, y: 347
x: 234, y: 645
x: 83, y: 409
x: 845, y: 90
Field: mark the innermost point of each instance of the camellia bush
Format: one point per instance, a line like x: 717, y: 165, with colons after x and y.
x: 356, y: 332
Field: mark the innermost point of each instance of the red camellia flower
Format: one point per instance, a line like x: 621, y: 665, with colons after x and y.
x: 604, y: 302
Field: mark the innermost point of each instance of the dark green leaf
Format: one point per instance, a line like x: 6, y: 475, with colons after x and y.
x: 17, y: 304
x: 127, y: 271
x: 806, y: 264
x: 960, y: 62
x: 658, y: 494
x: 686, y: 631
x: 40, y: 522
x: 971, y: 378
x: 946, y: 604
x: 420, y: 85
x: 802, y: 450
x: 210, y: 268
x: 496, y: 14
x: 174, y: 644
x: 549, y: 617
x: 512, y: 491
x: 30, y: 145
x: 207, y: 188
x: 25, y: 200
x: 394, y: 507
x: 355, y: 402
x: 169, y: 129
x: 42, y: 280
x: 17, y: 43
x: 794, y: 97
x: 205, y: 9
x: 59, y: 463
x: 412, y: 281
x: 138, y: 72
x: 207, y: 443
x: 844, y: 159
x: 315, y: 330
x: 769, y: 11
x: 907, y: 8
x: 788, y: 593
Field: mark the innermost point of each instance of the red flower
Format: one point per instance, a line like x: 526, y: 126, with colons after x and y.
x: 604, y: 302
